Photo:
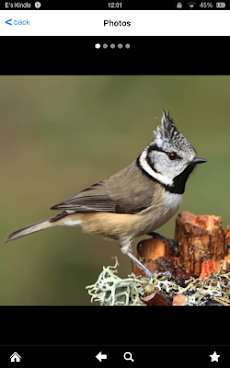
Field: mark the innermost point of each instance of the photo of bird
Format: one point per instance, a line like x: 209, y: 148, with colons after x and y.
x: 136, y: 200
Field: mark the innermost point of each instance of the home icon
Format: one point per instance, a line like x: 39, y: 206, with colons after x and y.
x: 15, y: 357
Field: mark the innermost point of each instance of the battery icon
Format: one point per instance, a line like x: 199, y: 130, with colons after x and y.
x: 220, y: 5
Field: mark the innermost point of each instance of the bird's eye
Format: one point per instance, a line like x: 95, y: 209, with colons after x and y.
x: 172, y: 155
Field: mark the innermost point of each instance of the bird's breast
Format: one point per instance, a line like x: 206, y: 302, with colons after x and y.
x: 120, y: 226
x: 160, y: 212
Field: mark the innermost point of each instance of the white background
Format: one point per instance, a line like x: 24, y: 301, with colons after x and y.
x: 91, y: 23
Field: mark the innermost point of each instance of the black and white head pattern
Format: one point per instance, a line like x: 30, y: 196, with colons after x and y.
x: 167, y: 159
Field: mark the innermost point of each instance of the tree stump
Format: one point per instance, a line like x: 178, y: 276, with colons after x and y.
x: 228, y: 240
x: 201, y: 245
x: 200, y: 238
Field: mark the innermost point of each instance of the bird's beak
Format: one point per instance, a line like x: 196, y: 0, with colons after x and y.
x: 197, y: 160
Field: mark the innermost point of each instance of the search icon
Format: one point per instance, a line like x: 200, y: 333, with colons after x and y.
x: 128, y: 356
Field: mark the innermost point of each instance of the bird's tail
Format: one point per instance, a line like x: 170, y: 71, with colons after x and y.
x: 44, y: 224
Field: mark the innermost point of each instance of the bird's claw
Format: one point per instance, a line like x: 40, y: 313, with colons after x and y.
x: 167, y: 273
x: 174, y: 244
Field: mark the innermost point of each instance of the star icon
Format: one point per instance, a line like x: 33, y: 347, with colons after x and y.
x: 214, y: 357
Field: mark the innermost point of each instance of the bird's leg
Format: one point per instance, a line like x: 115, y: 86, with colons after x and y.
x: 126, y: 249
x: 172, y: 242
x: 147, y: 271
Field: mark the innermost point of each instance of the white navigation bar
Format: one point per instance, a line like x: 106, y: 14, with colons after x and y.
x: 114, y: 23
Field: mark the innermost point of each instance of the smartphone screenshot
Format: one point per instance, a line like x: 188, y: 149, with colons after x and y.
x: 114, y: 154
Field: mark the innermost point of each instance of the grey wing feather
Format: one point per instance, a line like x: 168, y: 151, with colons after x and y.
x: 128, y: 191
x: 90, y: 199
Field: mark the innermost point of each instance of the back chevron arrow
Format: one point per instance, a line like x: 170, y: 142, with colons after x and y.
x: 8, y: 22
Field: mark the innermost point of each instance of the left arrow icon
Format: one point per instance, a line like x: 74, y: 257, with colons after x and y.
x: 101, y: 356
x: 8, y: 22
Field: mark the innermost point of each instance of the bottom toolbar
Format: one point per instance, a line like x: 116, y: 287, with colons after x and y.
x: 155, y: 354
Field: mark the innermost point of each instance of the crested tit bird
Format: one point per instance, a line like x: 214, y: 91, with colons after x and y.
x: 136, y: 200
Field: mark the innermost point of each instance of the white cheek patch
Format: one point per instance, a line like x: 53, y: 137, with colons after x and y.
x: 164, y: 179
x: 72, y: 222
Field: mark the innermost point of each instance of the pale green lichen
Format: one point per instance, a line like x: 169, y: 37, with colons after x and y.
x: 110, y: 289
x: 200, y: 292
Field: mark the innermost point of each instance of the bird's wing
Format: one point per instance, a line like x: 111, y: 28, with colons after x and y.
x: 128, y: 191
x: 92, y: 199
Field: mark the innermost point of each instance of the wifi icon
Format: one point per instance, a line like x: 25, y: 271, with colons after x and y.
x: 191, y: 4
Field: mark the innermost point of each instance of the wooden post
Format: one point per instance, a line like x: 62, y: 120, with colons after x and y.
x: 200, y: 238
x: 201, y: 244
x: 228, y: 240
x: 226, y: 263
x: 157, y: 256
x: 150, y: 250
